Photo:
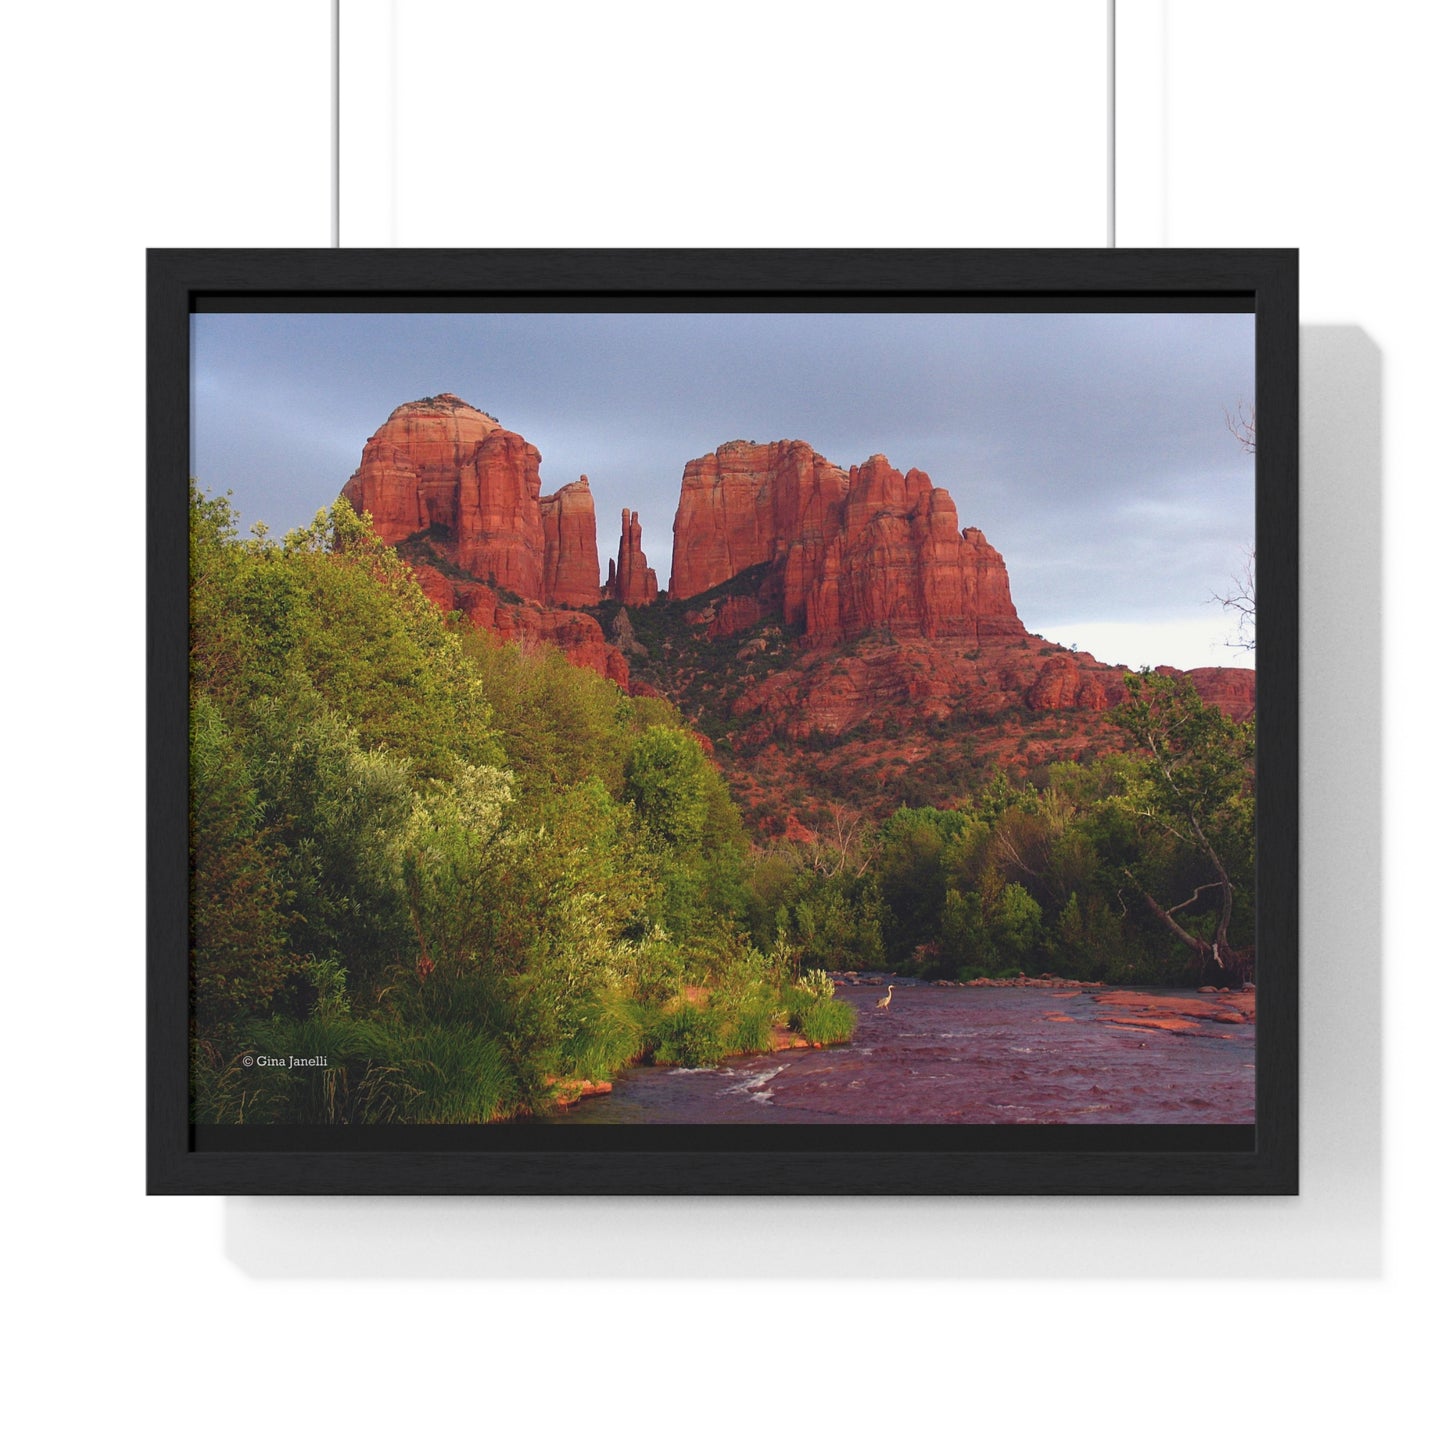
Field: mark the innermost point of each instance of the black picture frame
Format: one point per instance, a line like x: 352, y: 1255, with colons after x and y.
x: 668, y: 1160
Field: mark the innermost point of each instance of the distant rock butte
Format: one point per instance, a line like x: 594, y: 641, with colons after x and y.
x: 868, y: 551
x: 1230, y: 689
x: 444, y: 468
x: 443, y: 471
x: 746, y: 504
x: 410, y: 470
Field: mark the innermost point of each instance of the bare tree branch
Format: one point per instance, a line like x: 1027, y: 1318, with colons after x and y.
x: 846, y: 843
x: 1240, y: 601
x: 1241, y: 425
x: 1194, y: 896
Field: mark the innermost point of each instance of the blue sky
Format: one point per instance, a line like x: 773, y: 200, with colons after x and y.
x: 1092, y: 449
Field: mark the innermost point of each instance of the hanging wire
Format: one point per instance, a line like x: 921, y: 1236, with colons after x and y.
x: 1110, y: 178
x: 336, y: 123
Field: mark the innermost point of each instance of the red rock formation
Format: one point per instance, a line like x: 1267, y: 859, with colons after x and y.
x: 569, y: 533
x: 745, y: 504
x: 735, y: 614
x: 902, y: 683
x: 1062, y: 684
x: 1230, y: 689
x: 499, y: 536
x: 873, y: 551
x: 442, y: 467
x: 528, y: 624
x: 899, y: 564
x: 631, y: 580
x: 407, y: 479
x: 445, y: 469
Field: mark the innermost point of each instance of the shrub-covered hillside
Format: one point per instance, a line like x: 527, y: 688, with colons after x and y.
x: 457, y: 873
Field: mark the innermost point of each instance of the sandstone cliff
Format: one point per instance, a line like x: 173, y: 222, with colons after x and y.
x: 444, y: 468
x: 746, y: 504
x: 442, y: 473
x: 1062, y: 684
x: 569, y: 534
x: 869, y: 551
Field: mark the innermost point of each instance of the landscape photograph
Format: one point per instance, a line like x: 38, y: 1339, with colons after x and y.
x: 607, y: 718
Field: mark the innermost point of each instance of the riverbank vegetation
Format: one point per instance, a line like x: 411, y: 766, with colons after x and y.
x: 1136, y: 867
x: 456, y: 873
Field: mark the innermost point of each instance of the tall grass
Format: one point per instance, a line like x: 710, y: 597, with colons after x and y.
x: 609, y: 1035
x: 459, y: 1077
x: 376, y: 1072
x: 689, y: 1037
x: 829, y: 1021
x: 748, y: 1024
x: 813, y: 1011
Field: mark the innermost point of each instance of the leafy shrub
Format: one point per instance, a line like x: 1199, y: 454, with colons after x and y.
x: 653, y: 968
x: 816, y: 983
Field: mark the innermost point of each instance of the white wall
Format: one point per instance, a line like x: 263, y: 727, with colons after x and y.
x: 746, y: 124
x: 178, y: 124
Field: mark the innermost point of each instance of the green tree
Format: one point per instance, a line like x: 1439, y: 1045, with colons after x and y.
x: 667, y: 782
x: 452, y: 860
x: 1015, y: 922
x: 1194, y: 798
x: 991, y: 931
x: 911, y: 879
x: 239, y: 952
x: 694, y: 828
x: 338, y: 808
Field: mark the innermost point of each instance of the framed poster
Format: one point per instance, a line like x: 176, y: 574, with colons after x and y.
x: 925, y: 825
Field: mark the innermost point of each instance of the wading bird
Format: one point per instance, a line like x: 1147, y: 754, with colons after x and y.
x: 886, y: 999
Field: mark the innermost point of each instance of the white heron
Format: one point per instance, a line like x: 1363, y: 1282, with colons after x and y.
x: 886, y: 999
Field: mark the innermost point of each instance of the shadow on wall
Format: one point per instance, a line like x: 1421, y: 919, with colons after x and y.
x: 1332, y: 1230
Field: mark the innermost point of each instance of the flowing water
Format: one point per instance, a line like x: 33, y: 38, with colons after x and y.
x: 940, y: 1055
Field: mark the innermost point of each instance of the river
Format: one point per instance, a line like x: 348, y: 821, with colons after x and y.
x: 1051, y: 1054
